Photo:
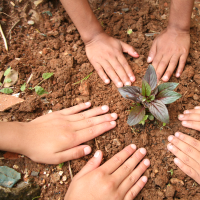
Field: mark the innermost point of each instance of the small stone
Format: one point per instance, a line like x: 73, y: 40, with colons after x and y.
x: 84, y: 89
x: 116, y: 142
x: 64, y: 178
x: 15, y: 166
x: 125, y: 9
x: 31, y: 22
x: 55, y: 177
x: 196, y: 97
x: 175, y: 181
x: 156, y: 171
x: 47, y: 175
x: 60, y: 173
x: 81, y: 99
x: 164, y: 16
x: 34, y: 173
x: 61, y: 182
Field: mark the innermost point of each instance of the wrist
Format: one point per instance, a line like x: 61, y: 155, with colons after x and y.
x: 178, y: 29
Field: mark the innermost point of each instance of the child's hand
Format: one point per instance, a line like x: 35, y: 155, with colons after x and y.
x: 56, y: 137
x: 118, y: 179
x: 106, y: 55
x: 187, y: 151
x: 170, y: 48
x: 191, y: 118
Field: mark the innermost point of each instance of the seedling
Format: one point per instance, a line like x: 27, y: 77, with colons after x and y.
x: 84, y: 79
x: 150, y: 97
x: 38, y: 89
x: 171, y: 172
x: 61, y: 165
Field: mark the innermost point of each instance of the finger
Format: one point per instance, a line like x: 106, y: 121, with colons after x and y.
x: 152, y: 52
x: 126, y: 67
x: 172, y: 65
x: 187, y: 170
x: 117, y: 160
x: 190, y: 117
x: 189, y: 140
x: 88, y: 114
x: 91, y: 165
x: 181, y: 65
x: 126, y: 169
x: 156, y: 62
x: 71, y: 154
x: 191, y: 124
x: 134, y: 191
x: 93, y: 121
x: 92, y: 132
x: 195, y: 110
x: 182, y: 156
x: 75, y: 109
x: 120, y: 71
x: 111, y: 73
x: 162, y: 65
x: 126, y: 48
x: 184, y: 147
x: 101, y: 73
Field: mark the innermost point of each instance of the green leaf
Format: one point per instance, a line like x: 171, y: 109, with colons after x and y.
x: 40, y: 91
x: 136, y: 115
x: 168, y: 96
x: 171, y: 172
x: 167, y: 86
x: 6, y: 90
x: 1, y: 84
x: 164, y: 124
x: 61, y: 165
x: 129, y: 31
x: 146, y: 89
x: 23, y: 87
x: 159, y: 110
x: 151, y: 117
x: 47, y: 75
x: 8, y: 80
x: 7, y: 71
x: 151, y: 98
x: 143, y: 120
x: 150, y: 77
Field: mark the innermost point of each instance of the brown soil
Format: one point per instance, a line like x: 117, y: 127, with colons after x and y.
x: 62, y: 51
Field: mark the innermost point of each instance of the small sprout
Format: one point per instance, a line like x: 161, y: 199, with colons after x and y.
x: 164, y: 124
x: 171, y: 171
x: 8, y: 80
x: 143, y: 120
x: 7, y: 71
x: 47, y: 75
x: 40, y: 91
x: 6, y: 90
x: 23, y: 87
x: 129, y: 31
x: 84, y: 79
x: 61, y: 165
x: 151, y: 97
x: 151, y: 117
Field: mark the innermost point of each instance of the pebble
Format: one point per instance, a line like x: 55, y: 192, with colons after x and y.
x: 175, y: 181
x: 64, y: 178
x: 116, y: 142
x: 55, y: 177
x: 60, y: 173
x: 31, y: 22
x: 15, y: 166
x: 34, y: 173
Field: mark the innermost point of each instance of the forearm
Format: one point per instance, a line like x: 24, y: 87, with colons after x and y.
x: 180, y: 14
x: 83, y: 18
x: 10, y: 139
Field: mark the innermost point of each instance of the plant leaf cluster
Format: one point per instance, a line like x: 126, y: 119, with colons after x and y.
x: 151, y: 97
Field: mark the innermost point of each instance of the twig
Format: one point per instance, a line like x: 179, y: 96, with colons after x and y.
x: 70, y: 171
x: 96, y: 143
x: 12, y: 28
x: 6, y: 14
x: 4, y: 39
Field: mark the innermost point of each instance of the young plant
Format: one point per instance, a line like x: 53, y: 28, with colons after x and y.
x: 151, y: 97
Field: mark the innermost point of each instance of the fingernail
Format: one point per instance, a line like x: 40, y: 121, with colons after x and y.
x: 87, y: 103
x: 146, y: 162
x: 170, y: 146
x: 135, y: 53
x: 176, y: 160
x: 149, y: 59
x: 181, y: 116
x: 113, y: 122
x: 104, y: 108
x: 97, y: 153
x: 177, y: 134
x: 177, y: 74
x: 186, y: 112
x: 165, y: 78
x: 128, y: 83
x: 107, y: 81
x: 170, y: 138
x: 144, y: 179
x: 184, y: 123
x: 119, y: 84
x: 87, y: 150
x: 197, y: 107
x: 132, y: 78
x: 133, y: 146
x: 143, y: 151
x: 114, y: 115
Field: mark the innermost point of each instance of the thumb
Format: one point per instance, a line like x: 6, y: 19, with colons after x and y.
x: 91, y: 165
x: 152, y: 53
x: 126, y: 48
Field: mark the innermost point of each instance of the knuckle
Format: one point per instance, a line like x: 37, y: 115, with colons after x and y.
x: 186, y: 160
x: 89, y: 121
x: 117, y: 67
x: 91, y: 162
x: 189, y: 150
x: 82, y: 115
x: 162, y: 63
x: 110, y: 185
x: 127, y: 168
x: 117, y: 159
x: 91, y: 131
x: 132, y: 179
x: 195, y: 143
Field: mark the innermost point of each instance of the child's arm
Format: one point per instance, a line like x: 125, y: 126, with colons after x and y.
x: 171, y: 47
x: 186, y: 148
x: 118, y: 178
x: 104, y: 52
x: 56, y: 137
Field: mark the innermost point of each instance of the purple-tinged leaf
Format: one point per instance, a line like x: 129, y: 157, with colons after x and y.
x: 146, y: 89
x: 155, y: 91
x: 151, y: 77
x: 167, y: 86
x: 130, y: 92
x: 168, y: 96
x: 159, y: 111
x: 137, y: 113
